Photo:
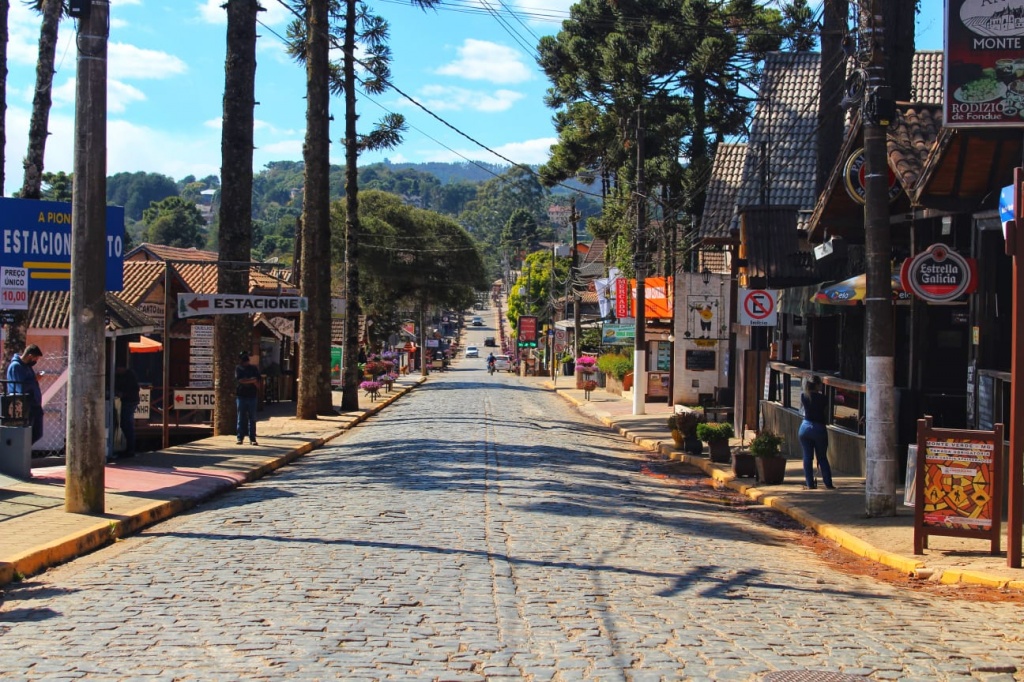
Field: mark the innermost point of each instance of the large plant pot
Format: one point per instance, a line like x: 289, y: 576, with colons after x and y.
x: 693, y: 445
x: 771, y: 470
x: 719, y: 450
x: 743, y: 465
x: 582, y: 377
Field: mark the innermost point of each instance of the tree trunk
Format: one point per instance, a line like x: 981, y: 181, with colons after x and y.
x: 315, y: 211
x: 37, y: 128
x: 350, y: 379
x: 234, y: 241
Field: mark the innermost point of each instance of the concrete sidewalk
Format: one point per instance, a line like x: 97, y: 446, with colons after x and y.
x: 834, y: 514
x: 36, y: 532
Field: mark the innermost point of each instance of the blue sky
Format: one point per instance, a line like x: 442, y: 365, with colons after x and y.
x: 166, y: 78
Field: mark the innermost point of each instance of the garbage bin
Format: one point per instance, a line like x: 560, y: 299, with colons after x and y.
x: 16, y: 451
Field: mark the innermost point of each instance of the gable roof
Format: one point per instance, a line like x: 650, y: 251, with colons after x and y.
x: 51, y: 310
x: 723, y: 189
x: 785, y: 126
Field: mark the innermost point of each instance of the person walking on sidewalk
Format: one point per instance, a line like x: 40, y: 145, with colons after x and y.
x: 21, y: 378
x: 247, y: 379
x: 126, y: 387
x: 813, y: 434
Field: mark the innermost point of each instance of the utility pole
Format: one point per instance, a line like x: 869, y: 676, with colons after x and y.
x: 86, y: 425
x: 551, y: 336
x: 577, y: 328
x: 880, y: 439
x: 639, y: 263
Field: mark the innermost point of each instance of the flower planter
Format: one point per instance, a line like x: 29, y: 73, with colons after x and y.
x: 743, y: 465
x: 771, y: 470
x: 719, y: 451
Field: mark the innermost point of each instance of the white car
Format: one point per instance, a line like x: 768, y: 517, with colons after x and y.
x: 472, y: 352
x: 502, y: 363
x: 477, y: 321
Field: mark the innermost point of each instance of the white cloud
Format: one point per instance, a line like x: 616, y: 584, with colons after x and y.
x: 213, y: 12
x: 129, y: 61
x: 487, y: 61
x: 527, y: 152
x: 444, y: 98
x: 119, y: 95
x: 118, y: 23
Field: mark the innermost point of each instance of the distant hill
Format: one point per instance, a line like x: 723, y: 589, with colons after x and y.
x: 464, y: 171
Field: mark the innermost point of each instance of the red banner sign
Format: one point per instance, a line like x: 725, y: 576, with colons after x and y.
x: 622, y: 306
x: 527, y: 328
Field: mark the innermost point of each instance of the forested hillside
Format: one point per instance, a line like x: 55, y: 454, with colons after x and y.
x: 481, y: 197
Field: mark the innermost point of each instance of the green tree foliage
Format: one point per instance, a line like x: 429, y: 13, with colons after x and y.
x: 520, y: 235
x: 517, y: 188
x: 57, y: 186
x: 136, y: 191
x: 532, y: 294
x: 174, y: 222
x: 409, y: 256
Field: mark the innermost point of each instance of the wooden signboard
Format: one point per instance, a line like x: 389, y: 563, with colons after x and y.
x: 700, y: 360
x: 959, y: 484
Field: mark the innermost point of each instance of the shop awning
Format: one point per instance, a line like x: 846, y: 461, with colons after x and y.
x: 851, y: 291
x: 145, y: 345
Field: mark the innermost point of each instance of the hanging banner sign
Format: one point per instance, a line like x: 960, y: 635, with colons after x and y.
x: 757, y: 308
x: 613, y: 334
x: 939, y: 274
x: 982, y: 65
x: 190, y: 305
x: 621, y: 298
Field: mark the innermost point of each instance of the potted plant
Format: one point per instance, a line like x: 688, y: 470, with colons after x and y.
x: 767, y: 451
x: 716, y: 435
x: 744, y: 464
x: 684, y: 431
x: 588, y: 387
x: 585, y: 367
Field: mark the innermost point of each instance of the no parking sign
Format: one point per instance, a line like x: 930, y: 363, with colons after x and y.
x: 757, y: 307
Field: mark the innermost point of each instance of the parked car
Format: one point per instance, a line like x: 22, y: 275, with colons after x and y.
x: 490, y: 342
x: 472, y: 352
x: 477, y: 321
x: 502, y: 363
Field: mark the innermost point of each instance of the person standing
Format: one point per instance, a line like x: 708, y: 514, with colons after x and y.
x: 247, y: 380
x: 126, y: 387
x: 813, y: 435
x: 21, y: 378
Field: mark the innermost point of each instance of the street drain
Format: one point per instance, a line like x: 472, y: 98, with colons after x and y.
x: 810, y: 676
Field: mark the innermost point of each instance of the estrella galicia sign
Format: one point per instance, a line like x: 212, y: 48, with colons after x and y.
x: 939, y: 274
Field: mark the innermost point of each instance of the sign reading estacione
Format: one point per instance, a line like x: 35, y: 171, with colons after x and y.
x: 190, y: 305
x: 194, y: 399
x: 36, y: 235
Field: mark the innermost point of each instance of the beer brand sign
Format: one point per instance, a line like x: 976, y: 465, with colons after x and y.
x: 854, y: 174
x: 939, y: 274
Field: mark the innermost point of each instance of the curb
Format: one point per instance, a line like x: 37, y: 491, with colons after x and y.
x: 914, y: 568
x: 110, y: 530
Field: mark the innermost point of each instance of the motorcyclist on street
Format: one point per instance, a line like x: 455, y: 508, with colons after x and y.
x: 491, y: 363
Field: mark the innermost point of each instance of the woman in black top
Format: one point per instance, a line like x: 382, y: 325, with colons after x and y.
x: 813, y: 435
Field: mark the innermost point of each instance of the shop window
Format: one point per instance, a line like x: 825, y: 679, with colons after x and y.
x: 847, y: 406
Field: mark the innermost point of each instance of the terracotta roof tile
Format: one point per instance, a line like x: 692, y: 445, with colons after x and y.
x: 911, y: 139
x: 146, y: 251
x: 139, y: 279
x: 926, y: 79
x: 50, y: 310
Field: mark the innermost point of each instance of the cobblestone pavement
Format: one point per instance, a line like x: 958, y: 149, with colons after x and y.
x: 480, y: 529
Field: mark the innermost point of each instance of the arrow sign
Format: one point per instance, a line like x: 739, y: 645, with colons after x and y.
x: 190, y: 305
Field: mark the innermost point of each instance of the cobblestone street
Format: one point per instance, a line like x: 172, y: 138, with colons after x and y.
x: 480, y: 528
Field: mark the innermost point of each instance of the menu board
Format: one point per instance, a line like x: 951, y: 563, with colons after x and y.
x: 700, y: 360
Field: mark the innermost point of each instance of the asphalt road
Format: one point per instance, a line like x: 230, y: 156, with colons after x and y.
x: 480, y: 528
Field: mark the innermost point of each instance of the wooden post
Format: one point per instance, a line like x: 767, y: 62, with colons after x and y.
x: 1015, y: 501
x: 86, y: 443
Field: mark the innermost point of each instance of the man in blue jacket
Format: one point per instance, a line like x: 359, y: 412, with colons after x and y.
x: 21, y: 378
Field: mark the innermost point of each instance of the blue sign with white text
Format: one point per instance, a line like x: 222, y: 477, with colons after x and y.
x: 36, y: 235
